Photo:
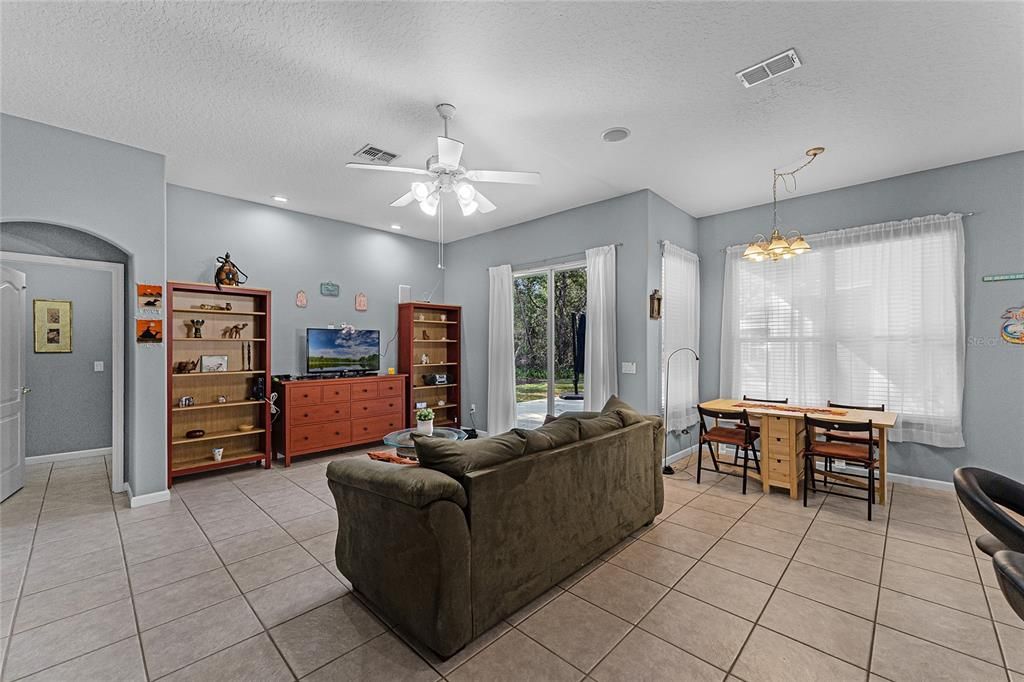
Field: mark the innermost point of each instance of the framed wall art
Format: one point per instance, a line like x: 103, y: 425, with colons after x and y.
x: 149, y: 331
x: 149, y: 296
x: 52, y: 324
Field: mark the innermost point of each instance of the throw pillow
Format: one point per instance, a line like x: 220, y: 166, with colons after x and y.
x: 554, y: 434
x: 458, y: 458
x: 629, y: 415
x: 610, y: 421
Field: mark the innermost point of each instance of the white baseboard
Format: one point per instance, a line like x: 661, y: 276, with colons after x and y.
x: 149, y: 498
x: 676, y: 456
x: 62, y: 456
x: 921, y: 482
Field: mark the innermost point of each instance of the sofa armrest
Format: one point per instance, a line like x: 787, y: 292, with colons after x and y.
x: 414, y: 486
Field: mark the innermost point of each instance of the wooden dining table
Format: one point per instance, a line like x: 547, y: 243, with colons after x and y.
x: 781, y: 445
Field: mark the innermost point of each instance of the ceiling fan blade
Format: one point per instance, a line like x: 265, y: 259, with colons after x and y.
x: 485, y: 204
x: 403, y: 200
x: 393, y: 169
x: 515, y: 177
x: 449, y: 152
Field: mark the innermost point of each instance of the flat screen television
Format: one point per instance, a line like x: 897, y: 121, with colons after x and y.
x: 336, y: 351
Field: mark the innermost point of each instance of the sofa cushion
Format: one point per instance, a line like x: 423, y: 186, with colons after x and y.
x: 554, y: 434
x: 596, y: 426
x: 458, y: 458
x: 629, y: 415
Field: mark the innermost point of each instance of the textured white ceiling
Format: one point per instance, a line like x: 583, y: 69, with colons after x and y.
x: 251, y: 99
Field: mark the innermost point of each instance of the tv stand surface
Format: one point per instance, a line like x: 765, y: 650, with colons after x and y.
x: 320, y: 414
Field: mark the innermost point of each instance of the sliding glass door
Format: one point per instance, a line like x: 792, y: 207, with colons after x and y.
x: 549, y: 306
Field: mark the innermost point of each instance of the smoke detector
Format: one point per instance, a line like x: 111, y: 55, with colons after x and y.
x: 375, y: 155
x: 769, y: 68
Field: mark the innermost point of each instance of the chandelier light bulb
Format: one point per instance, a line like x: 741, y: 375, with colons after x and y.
x: 469, y: 207
x: 429, y: 205
x: 465, y: 192
x: 420, y: 191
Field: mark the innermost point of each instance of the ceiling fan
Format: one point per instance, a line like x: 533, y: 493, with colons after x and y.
x: 446, y: 174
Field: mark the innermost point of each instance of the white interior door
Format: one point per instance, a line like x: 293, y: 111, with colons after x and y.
x: 12, y: 381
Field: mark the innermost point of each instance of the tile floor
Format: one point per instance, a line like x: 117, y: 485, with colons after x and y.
x: 233, y: 579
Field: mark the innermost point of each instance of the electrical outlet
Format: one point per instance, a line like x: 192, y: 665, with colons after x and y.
x: 97, y: 366
x: 472, y: 408
x: 629, y: 368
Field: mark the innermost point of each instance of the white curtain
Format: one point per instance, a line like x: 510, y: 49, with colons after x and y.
x: 501, y: 369
x: 680, y: 328
x: 600, y: 371
x: 871, y: 315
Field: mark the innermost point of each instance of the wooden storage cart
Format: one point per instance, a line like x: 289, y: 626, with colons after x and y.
x: 218, y: 419
x: 442, y: 324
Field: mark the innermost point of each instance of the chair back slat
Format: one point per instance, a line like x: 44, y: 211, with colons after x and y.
x: 830, y: 425
x: 872, y: 408
x: 784, y: 401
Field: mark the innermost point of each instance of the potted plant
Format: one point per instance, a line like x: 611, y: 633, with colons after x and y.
x: 425, y: 421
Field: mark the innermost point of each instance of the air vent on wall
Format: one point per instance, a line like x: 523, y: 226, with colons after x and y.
x: 769, y: 68
x: 375, y: 155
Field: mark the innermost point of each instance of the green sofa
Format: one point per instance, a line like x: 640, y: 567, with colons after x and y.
x: 446, y: 556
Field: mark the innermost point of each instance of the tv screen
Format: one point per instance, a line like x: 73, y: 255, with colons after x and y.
x: 337, y: 350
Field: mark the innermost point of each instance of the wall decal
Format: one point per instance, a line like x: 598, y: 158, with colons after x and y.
x: 361, y: 303
x: 300, y: 299
x: 329, y: 289
x: 1013, y: 329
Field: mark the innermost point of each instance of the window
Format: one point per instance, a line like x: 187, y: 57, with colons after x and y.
x: 871, y: 315
x: 680, y: 328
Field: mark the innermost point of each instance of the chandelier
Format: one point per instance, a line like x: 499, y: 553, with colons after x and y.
x: 778, y: 246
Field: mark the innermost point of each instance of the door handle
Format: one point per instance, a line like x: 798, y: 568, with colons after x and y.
x: 25, y: 390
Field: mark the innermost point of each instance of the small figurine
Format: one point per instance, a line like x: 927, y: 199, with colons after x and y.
x: 234, y: 332
x: 444, y: 317
x: 228, y: 274
x: 186, y: 401
x: 424, y: 359
x: 185, y: 366
x: 222, y: 399
x: 258, y: 391
x: 197, y: 328
x: 426, y: 336
x: 214, y: 306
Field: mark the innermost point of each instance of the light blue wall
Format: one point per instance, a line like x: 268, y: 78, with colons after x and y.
x: 994, y: 392
x: 116, y: 193
x: 285, y: 251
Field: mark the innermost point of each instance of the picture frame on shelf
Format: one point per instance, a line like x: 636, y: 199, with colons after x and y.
x: 213, y: 363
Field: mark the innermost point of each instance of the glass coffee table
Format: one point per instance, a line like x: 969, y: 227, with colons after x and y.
x: 403, y: 439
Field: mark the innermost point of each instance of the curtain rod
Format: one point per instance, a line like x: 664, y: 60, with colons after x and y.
x: 963, y: 215
x: 555, y: 260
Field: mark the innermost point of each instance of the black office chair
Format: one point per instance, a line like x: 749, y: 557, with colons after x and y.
x: 1010, y: 574
x: 982, y: 491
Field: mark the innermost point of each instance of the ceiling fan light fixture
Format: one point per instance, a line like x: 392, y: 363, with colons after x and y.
x: 420, y: 191
x: 429, y: 205
x: 465, y: 191
x: 469, y: 207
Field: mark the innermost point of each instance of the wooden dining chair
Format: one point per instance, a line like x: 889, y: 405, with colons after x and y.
x: 740, y: 436
x: 845, y: 436
x: 863, y: 454
x: 755, y: 422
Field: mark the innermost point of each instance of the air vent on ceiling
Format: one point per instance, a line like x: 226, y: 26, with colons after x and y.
x: 769, y: 68
x: 375, y: 155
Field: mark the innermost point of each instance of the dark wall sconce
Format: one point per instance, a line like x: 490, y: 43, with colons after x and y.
x: 655, y: 300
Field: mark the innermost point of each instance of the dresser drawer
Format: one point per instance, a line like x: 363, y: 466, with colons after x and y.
x: 311, y: 414
x: 776, y: 446
x: 320, y: 436
x: 389, y: 387
x: 376, y: 408
x: 374, y: 428
x: 363, y: 389
x: 336, y: 393
x: 304, y: 395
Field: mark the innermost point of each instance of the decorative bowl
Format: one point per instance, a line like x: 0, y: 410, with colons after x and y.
x: 245, y: 427
x: 195, y: 433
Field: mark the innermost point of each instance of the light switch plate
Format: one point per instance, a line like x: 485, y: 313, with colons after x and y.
x: 629, y: 368
x: 97, y: 366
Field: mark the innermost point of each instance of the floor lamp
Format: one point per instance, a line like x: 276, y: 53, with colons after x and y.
x: 668, y: 470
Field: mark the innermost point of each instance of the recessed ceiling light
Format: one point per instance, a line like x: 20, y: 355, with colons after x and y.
x: 278, y: 197
x: 617, y: 134
x: 396, y: 227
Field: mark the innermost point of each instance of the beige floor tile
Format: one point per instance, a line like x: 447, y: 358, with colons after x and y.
x: 581, y: 574
x: 933, y: 537
x: 835, y: 632
x: 840, y: 560
x: 839, y: 591
x: 679, y: 495
x: 319, y: 636
x: 181, y: 642
x: 322, y: 546
x: 850, y: 538
x: 735, y: 593
x: 161, y: 545
x: 60, y: 602
x: 159, y: 572
x: 720, y: 505
x: 175, y: 600
x: 948, y: 521
x: 642, y: 656
x: 253, y: 659
x: 779, y: 501
x: 251, y: 543
x: 762, y: 537
x: 668, y: 509
x: 576, y: 630
x: 76, y: 546
x: 749, y: 561
x: 1012, y: 641
x: 705, y: 631
x: 651, y: 561
x: 623, y: 544
x: 515, y: 657
x: 382, y: 659
x: 767, y: 516
x: 289, y: 511
x: 120, y: 662
x: 769, y: 656
x: 987, y: 572
x: 939, y: 624
x: 1001, y: 611
x: 63, y: 640
x: 266, y: 568
x: 932, y: 559
x: 898, y: 656
x: 221, y: 528
x: 294, y: 595
x: 307, y: 527
x: 469, y: 651
x: 59, y: 572
x: 852, y: 519
x: 627, y: 595
x: 964, y: 595
x: 704, y: 521
x: 531, y: 608
x: 178, y: 522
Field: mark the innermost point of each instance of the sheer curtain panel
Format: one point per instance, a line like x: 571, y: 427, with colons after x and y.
x: 600, y: 373
x: 501, y: 369
x: 680, y: 328
x: 870, y: 315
